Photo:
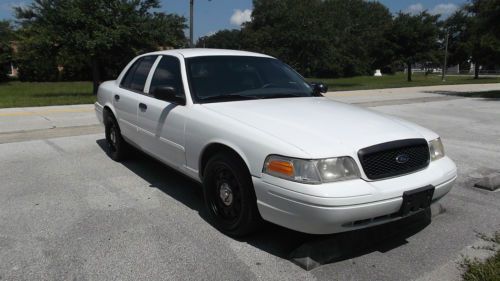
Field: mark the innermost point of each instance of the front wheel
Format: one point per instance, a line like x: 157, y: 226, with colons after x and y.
x: 229, y: 195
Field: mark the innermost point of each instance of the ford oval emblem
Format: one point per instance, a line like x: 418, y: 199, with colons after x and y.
x: 402, y: 158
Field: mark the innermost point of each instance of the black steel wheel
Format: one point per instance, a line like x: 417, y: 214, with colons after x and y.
x: 229, y: 195
x: 117, y: 147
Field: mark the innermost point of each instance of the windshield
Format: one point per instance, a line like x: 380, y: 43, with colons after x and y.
x: 226, y: 78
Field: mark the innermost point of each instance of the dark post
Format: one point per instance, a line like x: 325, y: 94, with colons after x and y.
x: 191, y: 3
x: 443, y: 74
x: 408, y: 71
x: 96, y: 74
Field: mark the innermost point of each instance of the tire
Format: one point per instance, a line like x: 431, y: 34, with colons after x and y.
x: 117, y: 147
x: 229, y: 196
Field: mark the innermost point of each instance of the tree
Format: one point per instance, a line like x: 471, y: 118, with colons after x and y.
x: 483, y: 25
x: 321, y: 38
x: 36, y: 58
x: 472, y: 37
x: 357, y: 31
x: 103, y: 34
x: 458, y: 27
x: 488, y: 16
x: 6, y: 36
x: 464, y: 41
x: 223, y: 39
x: 288, y: 30
x: 414, y: 38
x: 377, y: 22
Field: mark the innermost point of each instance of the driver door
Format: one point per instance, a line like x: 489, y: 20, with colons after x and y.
x: 161, y: 123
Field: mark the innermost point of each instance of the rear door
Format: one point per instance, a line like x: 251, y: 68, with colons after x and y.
x: 126, y: 98
x: 161, y: 123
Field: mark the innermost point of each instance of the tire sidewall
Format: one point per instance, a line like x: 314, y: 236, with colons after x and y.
x: 248, y: 218
x: 116, y: 153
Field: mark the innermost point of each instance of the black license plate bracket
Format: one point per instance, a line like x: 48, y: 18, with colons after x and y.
x: 416, y: 200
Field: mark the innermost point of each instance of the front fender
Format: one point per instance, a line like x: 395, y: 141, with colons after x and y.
x: 228, y: 144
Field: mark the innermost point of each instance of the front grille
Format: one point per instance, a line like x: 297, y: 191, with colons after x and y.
x: 394, y: 158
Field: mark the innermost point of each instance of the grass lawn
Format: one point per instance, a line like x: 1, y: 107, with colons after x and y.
x: 398, y: 81
x: 21, y: 94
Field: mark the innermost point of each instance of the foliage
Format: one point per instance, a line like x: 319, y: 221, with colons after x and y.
x: 487, y: 13
x: 414, y: 38
x: 223, y: 39
x: 36, y: 57
x: 320, y: 38
x: 94, y: 39
x: 6, y: 35
x: 102, y: 35
x: 458, y: 25
x: 288, y: 30
x: 357, y: 29
x: 472, y: 37
x: 486, y: 39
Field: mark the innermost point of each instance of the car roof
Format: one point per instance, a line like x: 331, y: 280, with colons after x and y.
x: 200, y: 52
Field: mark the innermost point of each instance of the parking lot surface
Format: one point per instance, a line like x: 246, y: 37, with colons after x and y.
x: 68, y: 212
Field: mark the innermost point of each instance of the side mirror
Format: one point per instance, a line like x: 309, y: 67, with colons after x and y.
x: 167, y: 93
x: 319, y: 88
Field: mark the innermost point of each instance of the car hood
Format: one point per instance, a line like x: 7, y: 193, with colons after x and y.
x: 319, y: 126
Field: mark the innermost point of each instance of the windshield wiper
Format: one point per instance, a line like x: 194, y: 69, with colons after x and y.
x: 288, y: 95
x: 229, y: 97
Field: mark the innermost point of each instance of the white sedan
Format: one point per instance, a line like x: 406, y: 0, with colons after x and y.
x: 266, y: 145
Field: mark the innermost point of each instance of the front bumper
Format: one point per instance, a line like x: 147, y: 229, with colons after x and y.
x: 98, y: 111
x: 348, y: 205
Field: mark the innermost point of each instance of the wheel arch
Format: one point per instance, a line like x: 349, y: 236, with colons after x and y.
x: 108, y: 110
x: 214, y: 148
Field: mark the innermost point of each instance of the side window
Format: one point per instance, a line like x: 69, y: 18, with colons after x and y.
x: 138, y: 73
x: 168, y: 74
x: 127, y: 79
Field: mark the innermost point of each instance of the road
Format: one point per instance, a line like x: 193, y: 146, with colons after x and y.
x: 68, y: 212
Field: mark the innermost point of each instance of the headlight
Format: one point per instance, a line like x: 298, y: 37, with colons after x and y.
x: 311, y: 171
x: 436, y: 148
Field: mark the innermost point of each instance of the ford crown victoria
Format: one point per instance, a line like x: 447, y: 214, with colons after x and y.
x: 266, y: 145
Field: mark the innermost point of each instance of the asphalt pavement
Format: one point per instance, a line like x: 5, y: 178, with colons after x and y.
x: 68, y: 212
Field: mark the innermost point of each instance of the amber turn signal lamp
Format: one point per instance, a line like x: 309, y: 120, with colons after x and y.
x: 281, y: 167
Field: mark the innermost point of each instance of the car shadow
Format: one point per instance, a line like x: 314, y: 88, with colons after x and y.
x: 310, y: 251
x: 299, y: 247
x: 164, y: 178
x: 487, y: 95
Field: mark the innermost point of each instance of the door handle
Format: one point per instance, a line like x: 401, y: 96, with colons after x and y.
x: 117, y: 97
x: 143, y: 106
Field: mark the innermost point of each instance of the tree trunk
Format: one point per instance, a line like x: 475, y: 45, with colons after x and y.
x: 408, y: 71
x: 476, y: 70
x: 96, y: 75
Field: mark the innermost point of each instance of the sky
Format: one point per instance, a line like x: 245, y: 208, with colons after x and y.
x: 213, y: 15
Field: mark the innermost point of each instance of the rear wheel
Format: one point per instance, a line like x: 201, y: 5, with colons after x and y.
x: 229, y: 195
x: 117, y: 147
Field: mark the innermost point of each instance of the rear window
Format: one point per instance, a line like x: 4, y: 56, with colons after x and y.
x: 136, y: 76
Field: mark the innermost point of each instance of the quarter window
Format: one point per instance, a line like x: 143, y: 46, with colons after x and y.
x: 136, y: 77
